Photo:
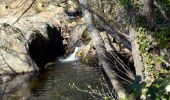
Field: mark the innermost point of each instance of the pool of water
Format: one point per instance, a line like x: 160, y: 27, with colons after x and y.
x: 53, y: 83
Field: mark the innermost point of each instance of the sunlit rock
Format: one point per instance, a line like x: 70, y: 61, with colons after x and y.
x: 72, y: 24
x: 2, y: 9
x: 13, y: 52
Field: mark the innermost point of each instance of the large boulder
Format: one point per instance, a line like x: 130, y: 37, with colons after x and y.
x: 14, y: 57
x: 19, y: 54
x: 33, y: 40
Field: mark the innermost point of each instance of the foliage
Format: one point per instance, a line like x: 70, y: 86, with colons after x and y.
x: 155, y: 87
x: 145, y: 47
x: 159, y: 90
x: 165, y: 4
x: 163, y: 37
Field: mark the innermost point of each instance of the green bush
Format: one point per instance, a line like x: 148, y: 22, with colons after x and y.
x: 158, y: 90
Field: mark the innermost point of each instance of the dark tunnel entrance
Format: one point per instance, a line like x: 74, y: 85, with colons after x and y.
x: 45, y: 49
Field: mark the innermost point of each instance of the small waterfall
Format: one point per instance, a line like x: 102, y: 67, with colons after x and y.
x: 71, y: 57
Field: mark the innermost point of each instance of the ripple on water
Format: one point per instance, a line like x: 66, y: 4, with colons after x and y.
x: 53, y: 83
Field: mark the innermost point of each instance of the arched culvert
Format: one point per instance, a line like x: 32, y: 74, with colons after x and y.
x: 45, y: 49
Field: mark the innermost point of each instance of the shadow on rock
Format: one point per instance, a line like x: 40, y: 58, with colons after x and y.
x: 44, y: 49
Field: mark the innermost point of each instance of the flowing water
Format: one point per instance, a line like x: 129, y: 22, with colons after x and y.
x: 53, y: 83
x: 71, y: 57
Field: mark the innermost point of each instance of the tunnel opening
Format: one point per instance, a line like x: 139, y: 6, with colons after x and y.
x: 46, y: 49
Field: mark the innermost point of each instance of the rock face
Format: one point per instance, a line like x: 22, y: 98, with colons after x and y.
x: 18, y: 54
x: 14, y: 57
x: 33, y: 40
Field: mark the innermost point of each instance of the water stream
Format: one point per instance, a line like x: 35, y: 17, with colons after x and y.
x: 53, y: 83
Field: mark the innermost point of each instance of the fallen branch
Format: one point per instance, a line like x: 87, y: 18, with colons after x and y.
x: 118, y: 36
x: 101, y: 50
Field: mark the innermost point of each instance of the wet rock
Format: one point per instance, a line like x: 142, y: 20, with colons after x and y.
x: 84, y: 51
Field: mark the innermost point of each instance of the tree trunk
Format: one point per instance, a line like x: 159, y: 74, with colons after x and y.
x: 101, y: 51
x: 138, y: 62
x: 147, y: 10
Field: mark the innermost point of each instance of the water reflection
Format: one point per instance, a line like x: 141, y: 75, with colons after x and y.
x: 52, y: 83
x: 17, y: 88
